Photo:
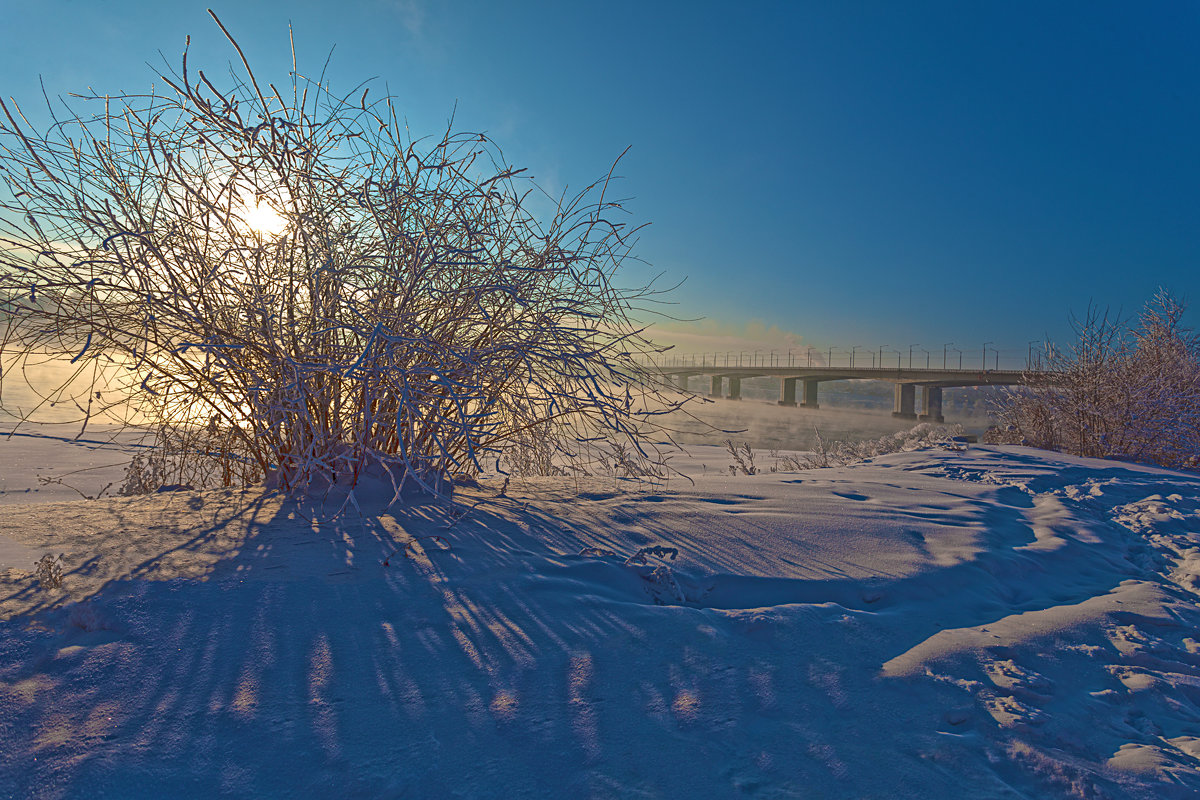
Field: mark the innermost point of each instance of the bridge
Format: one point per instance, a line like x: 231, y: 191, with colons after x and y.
x: 807, y: 378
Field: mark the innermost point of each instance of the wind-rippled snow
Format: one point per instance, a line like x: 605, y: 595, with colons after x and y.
x: 999, y: 622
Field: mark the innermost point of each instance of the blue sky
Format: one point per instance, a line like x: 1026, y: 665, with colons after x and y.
x: 820, y: 173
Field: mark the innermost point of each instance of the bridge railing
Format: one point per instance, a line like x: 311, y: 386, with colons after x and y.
x: 857, y: 357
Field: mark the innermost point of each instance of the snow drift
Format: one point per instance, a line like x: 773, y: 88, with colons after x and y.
x: 995, y: 623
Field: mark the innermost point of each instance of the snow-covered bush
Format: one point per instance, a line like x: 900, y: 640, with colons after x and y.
x: 839, y: 453
x: 293, y: 274
x: 1124, y: 390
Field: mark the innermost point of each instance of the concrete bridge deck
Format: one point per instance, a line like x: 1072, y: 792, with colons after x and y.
x: 945, y: 377
x: 931, y: 382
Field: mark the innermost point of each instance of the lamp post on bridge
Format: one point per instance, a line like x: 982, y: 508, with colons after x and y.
x: 926, y: 352
x: 810, y: 349
x: 910, y: 349
x: 829, y: 361
x: 1029, y: 356
x: 881, y: 355
x: 944, y: 350
x: 853, y: 350
x: 754, y: 358
x: 985, y: 344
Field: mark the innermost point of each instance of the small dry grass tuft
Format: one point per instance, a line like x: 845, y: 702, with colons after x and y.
x: 49, y: 571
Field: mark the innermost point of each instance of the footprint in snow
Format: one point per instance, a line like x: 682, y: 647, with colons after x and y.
x: 1008, y: 675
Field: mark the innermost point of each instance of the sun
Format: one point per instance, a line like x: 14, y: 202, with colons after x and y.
x: 262, y: 218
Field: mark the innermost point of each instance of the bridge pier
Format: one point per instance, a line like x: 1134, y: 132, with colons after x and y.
x: 905, y: 383
x: 787, y: 391
x: 931, y: 397
x: 810, y: 394
x: 906, y: 401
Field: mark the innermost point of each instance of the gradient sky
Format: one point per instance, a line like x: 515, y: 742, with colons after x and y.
x: 824, y: 173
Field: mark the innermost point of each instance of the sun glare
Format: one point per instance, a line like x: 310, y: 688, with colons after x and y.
x: 264, y: 220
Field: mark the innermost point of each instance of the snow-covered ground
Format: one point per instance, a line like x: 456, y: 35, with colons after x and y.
x: 999, y: 622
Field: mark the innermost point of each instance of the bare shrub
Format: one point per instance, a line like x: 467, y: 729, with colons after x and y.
x: 58, y: 480
x: 146, y: 473
x: 743, y: 458
x: 623, y: 461
x: 661, y: 582
x: 840, y: 453
x: 787, y: 462
x: 189, y: 458
x: 1125, y: 390
x: 293, y: 289
x: 819, y: 458
x: 49, y: 571
x: 531, y: 452
x: 657, y: 550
